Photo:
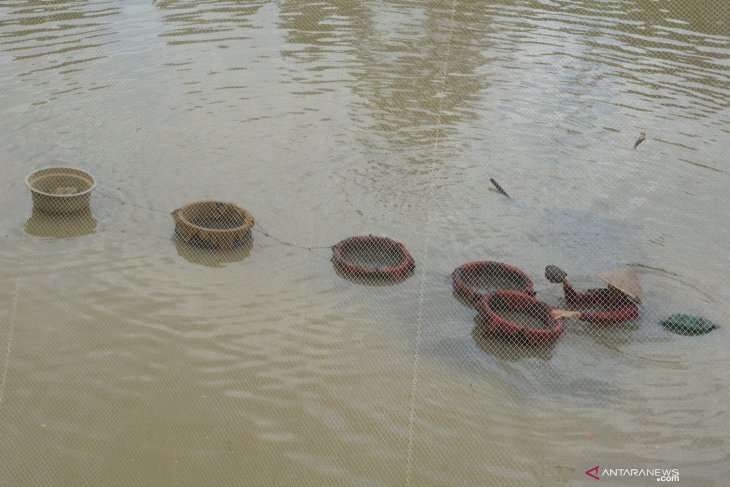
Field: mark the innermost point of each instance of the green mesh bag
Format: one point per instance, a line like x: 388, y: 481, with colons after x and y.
x: 688, y: 324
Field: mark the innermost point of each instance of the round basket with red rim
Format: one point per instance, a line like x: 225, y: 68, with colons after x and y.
x: 475, y: 279
x: 519, y: 316
x: 371, y: 256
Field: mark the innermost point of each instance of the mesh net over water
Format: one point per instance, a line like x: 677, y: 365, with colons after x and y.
x: 373, y: 257
x: 213, y: 224
x: 473, y: 280
x: 572, y: 153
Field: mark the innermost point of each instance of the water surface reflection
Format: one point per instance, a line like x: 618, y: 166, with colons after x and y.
x: 47, y: 225
x: 344, y: 118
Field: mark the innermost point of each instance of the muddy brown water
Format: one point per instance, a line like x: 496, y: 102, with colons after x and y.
x: 129, y: 358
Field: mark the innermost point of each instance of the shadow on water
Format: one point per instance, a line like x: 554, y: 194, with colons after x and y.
x: 583, y: 241
x: 49, y: 225
x: 213, y: 257
x: 539, y: 371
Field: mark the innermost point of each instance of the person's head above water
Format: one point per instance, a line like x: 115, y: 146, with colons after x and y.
x: 623, y: 279
x: 617, y: 303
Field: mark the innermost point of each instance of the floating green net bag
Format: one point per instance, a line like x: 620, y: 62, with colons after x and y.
x: 688, y: 324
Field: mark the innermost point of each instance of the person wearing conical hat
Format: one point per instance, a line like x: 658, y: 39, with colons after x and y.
x: 614, y: 304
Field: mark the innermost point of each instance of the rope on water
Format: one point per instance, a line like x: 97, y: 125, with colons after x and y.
x: 125, y: 202
x: 257, y: 226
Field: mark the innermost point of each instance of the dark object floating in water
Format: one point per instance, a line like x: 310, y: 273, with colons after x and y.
x: 370, y: 256
x: 61, y: 190
x: 642, y: 138
x: 475, y: 279
x: 519, y: 316
x: 499, y: 188
x: 555, y: 274
x: 212, y: 224
x: 688, y: 325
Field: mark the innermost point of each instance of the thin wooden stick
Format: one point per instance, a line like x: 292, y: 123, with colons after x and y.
x: 499, y: 188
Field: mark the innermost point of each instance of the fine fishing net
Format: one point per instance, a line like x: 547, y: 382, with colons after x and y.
x: 363, y: 243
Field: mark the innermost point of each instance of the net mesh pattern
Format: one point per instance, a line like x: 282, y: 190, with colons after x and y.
x: 364, y: 243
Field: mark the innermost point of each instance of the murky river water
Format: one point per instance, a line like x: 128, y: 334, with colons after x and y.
x: 130, y: 359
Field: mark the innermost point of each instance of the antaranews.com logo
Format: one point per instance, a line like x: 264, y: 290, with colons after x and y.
x: 661, y: 474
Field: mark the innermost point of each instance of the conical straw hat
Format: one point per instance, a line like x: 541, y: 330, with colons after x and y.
x: 624, y: 279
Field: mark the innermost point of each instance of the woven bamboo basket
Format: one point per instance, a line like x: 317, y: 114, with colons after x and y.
x: 60, y: 190
x: 213, y: 224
